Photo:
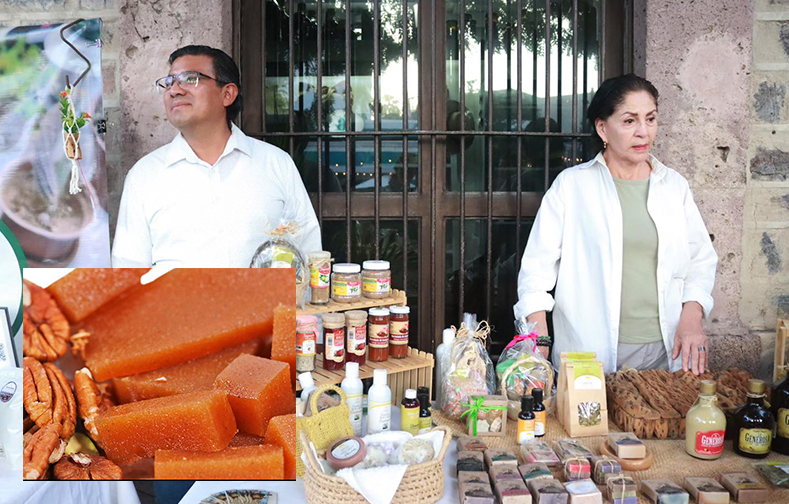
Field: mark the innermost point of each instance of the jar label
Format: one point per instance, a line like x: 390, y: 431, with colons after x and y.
x: 710, y: 442
x: 377, y: 285
x: 319, y: 277
x: 357, y: 340
x: 783, y: 422
x: 305, y: 344
x: 334, y: 341
x: 350, y: 288
x: 425, y: 424
x: 398, y: 332
x: 539, y: 423
x: 525, y: 430
x: 379, y: 335
x: 756, y: 441
x: 346, y: 449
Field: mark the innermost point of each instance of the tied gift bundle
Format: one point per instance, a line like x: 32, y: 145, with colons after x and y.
x: 486, y: 415
x: 281, y: 251
x: 521, y: 368
x: 470, y: 371
x: 581, y: 406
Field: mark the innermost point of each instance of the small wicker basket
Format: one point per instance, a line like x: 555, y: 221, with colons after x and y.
x: 325, y: 426
x: 421, y: 483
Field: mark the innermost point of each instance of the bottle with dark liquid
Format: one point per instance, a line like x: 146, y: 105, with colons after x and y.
x: 753, y: 424
x: 780, y: 412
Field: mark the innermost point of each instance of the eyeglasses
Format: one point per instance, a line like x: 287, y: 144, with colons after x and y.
x: 184, y: 79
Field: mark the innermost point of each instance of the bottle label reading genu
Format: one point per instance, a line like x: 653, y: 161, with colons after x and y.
x: 755, y: 441
x: 710, y: 443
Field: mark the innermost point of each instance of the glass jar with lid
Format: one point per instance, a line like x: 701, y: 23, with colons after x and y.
x: 398, y: 331
x: 346, y: 283
x: 378, y: 339
x: 320, y: 273
x: 306, y: 341
x: 333, y: 341
x: 376, y: 279
x: 356, y: 336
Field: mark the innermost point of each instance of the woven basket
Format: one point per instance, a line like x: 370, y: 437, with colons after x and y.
x: 421, y: 483
x: 326, y: 426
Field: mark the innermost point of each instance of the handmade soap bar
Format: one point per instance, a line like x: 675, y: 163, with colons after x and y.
x: 185, y: 314
x: 487, y: 416
x: 470, y: 461
x: 583, y: 492
x: 706, y: 491
x: 577, y: 469
x: 602, y: 465
x: 190, y: 376
x: 473, y: 477
x: 471, y: 443
x: 539, y: 451
x: 200, y: 421
x: 262, y: 462
x: 622, y: 490
x: 500, y: 458
x: 246, y: 439
x: 258, y: 389
x: 626, y: 445
x: 537, y: 470
x: 282, y: 432
x: 504, y: 472
x: 661, y: 491
x: 475, y: 493
x: 568, y: 449
x: 85, y: 290
x: 744, y: 487
x: 509, y: 491
x: 283, y: 342
x: 548, y: 491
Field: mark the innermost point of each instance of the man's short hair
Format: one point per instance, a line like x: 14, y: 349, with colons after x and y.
x: 225, y: 70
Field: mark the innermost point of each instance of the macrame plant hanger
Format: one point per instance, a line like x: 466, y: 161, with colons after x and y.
x: 69, y: 137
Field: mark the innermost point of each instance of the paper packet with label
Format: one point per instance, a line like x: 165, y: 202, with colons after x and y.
x: 11, y: 413
x: 581, y: 406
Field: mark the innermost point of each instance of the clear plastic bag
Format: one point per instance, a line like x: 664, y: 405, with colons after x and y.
x: 11, y: 413
x: 522, y: 368
x: 470, y: 370
x: 281, y: 251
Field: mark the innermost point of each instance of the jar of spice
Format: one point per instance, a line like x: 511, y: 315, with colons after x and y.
x: 378, y: 334
x: 333, y: 341
x: 306, y: 340
x: 346, y: 283
x: 320, y: 272
x: 376, y: 279
x: 398, y: 332
x: 356, y: 330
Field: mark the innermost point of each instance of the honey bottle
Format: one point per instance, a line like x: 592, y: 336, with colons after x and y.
x: 753, y: 424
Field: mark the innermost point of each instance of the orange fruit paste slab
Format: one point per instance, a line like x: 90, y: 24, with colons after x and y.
x: 262, y: 462
x: 200, y: 421
x: 246, y: 439
x: 282, y: 432
x: 258, y: 389
x: 190, y: 376
x: 183, y: 315
x: 85, y: 290
x: 283, y: 343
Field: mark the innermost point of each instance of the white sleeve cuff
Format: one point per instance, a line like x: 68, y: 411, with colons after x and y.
x: 533, y: 302
x: 693, y: 293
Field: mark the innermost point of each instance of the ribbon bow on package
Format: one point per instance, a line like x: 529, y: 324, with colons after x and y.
x: 487, y: 415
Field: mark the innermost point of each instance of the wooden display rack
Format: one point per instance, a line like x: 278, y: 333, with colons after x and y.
x: 414, y: 371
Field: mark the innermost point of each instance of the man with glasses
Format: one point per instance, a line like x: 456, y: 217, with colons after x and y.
x: 209, y: 197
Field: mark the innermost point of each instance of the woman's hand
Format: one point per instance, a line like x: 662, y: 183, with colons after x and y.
x: 690, y: 339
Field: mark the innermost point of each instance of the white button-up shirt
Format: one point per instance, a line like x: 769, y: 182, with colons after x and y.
x: 576, y: 246
x: 179, y: 211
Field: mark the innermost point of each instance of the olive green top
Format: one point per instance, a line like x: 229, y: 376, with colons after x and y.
x: 639, y: 320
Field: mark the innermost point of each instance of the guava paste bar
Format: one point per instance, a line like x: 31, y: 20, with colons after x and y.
x: 183, y: 315
x: 263, y: 462
x: 85, y: 290
x: 200, y: 421
x: 190, y: 376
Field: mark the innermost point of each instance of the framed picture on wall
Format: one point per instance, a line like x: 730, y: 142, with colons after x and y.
x: 7, y: 351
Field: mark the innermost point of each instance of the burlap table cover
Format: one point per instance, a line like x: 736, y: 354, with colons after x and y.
x: 670, y: 460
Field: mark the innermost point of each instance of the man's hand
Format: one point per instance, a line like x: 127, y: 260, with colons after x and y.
x: 541, y: 330
x: 690, y: 340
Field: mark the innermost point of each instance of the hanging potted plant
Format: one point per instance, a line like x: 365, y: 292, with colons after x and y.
x: 71, y: 125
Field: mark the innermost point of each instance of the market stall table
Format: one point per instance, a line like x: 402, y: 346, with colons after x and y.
x: 670, y: 462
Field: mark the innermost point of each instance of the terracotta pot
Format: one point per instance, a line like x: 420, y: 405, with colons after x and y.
x: 38, y: 243
x: 72, y: 145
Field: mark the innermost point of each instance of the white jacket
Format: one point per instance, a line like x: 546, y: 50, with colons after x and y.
x: 576, y: 246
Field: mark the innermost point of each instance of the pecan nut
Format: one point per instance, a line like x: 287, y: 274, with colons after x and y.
x: 91, y: 400
x: 41, y: 449
x: 46, y: 331
x: 85, y: 466
x: 48, y: 397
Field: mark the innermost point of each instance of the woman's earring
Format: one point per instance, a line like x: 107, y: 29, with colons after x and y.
x: 605, y: 145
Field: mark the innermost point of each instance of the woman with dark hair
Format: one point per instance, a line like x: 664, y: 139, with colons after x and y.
x: 624, y: 245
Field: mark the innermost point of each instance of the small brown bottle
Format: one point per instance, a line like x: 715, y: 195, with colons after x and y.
x: 753, y: 424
